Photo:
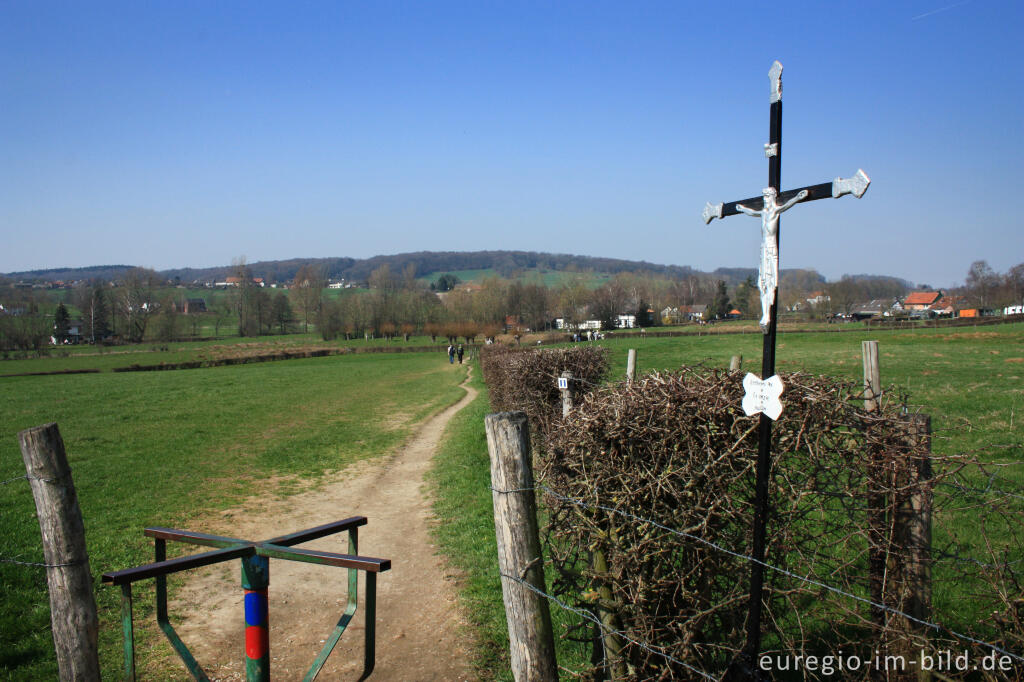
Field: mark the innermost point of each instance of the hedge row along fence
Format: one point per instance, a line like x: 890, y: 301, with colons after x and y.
x: 273, y: 357
x: 850, y: 492
x: 242, y: 360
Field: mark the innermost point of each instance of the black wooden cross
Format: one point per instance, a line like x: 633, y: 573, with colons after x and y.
x: 768, y: 207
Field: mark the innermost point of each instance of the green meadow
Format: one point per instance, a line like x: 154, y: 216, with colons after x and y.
x: 164, y: 448
x: 106, y: 359
x: 970, y: 380
x: 167, y: 448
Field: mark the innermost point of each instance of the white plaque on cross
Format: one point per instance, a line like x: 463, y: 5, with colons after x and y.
x: 762, y: 396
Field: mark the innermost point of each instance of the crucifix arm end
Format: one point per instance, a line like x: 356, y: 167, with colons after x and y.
x: 711, y: 211
x: 856, y: 185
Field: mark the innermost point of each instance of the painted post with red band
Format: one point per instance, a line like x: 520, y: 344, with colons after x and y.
x: 255, y: 580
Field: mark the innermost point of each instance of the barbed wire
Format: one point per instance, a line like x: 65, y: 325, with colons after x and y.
x: 975, y: 562
x: 738, y: 555
x: 19, y: 562
x: 25, y: 477
x: 988, y: 489
x: 6, y: 560
x: 618, y: 633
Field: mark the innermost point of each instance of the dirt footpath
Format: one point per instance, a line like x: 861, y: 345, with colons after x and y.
x: 420, y: 634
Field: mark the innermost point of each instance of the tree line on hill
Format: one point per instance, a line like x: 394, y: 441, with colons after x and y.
x: 504, y: 263
x: 141, y: 305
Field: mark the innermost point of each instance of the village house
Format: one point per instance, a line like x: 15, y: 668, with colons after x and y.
x: 560, y: 323
x: 877, y: 307
x: 684, y: 313
x: 233, y: 281
x: 625, y: 321
x: 921, y: 300
x: 946, y: 306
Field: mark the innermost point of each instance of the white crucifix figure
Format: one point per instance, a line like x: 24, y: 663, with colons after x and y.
x: 768, y: 275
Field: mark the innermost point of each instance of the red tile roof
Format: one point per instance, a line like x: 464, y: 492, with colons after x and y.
x: 921, y: 298
x: 946, y: 302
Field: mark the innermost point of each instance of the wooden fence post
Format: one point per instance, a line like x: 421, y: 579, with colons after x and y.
x: 531, y: 641
x: 736, y: 363
x: 72, y: 606
x: 878, y: 529
x: 872, y: 375
x: 631, y: 365
x: 912, y: 528
x: 568, y: 393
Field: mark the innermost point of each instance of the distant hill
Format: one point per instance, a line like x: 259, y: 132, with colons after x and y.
x: 803, y: 280
x: 882, y: 280
x: 424, y: 263
x: 101, y: 272
x: 427, y: 263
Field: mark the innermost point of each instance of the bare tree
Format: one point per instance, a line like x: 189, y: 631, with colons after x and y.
x: 92, y: 301
x: 981, y: 280
x: 845, y: 294
x: 307, y: 293
x: 1015, y: 283
x: 609, y: 301
x: 572, y: 301
x: 136, y: 302
x: 167, y: 319
x: 281, y: 312
x: 536, y: 305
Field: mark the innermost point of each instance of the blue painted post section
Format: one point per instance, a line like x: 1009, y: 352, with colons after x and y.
x: 255, y: 580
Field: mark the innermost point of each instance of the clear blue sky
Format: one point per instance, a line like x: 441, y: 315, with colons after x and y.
x: 172, y: 134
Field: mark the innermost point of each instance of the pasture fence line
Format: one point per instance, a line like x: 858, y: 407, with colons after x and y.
x: 739, y: 555
x: 667, y: 457
x: 19, y: 561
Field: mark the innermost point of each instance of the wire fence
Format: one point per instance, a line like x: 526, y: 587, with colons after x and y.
x: 656, y: 477
x: 19, y: 560
x: 596, y: 621
x: 718, y: 548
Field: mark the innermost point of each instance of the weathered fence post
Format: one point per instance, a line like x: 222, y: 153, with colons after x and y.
x: 531, y: 641
x: 568, y: 393
x: 872, y: 375
x: 878, y: 529
x: 912, y: 528
x: 736, y: 363
x: 631, y: 365
x: 72, y: 606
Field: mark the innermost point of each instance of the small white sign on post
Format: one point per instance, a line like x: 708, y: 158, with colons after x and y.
x: 563, y: 383
x: 762, y: 396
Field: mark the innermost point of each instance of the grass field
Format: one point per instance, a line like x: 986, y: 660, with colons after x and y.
x: 958, y: 376
x: 970, y: 381
x: 165, y: 448
x: 105, y: 359
x: 168, y: 447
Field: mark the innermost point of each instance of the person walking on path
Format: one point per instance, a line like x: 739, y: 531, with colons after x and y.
x: 451, y: 354
x: 460, y: 353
